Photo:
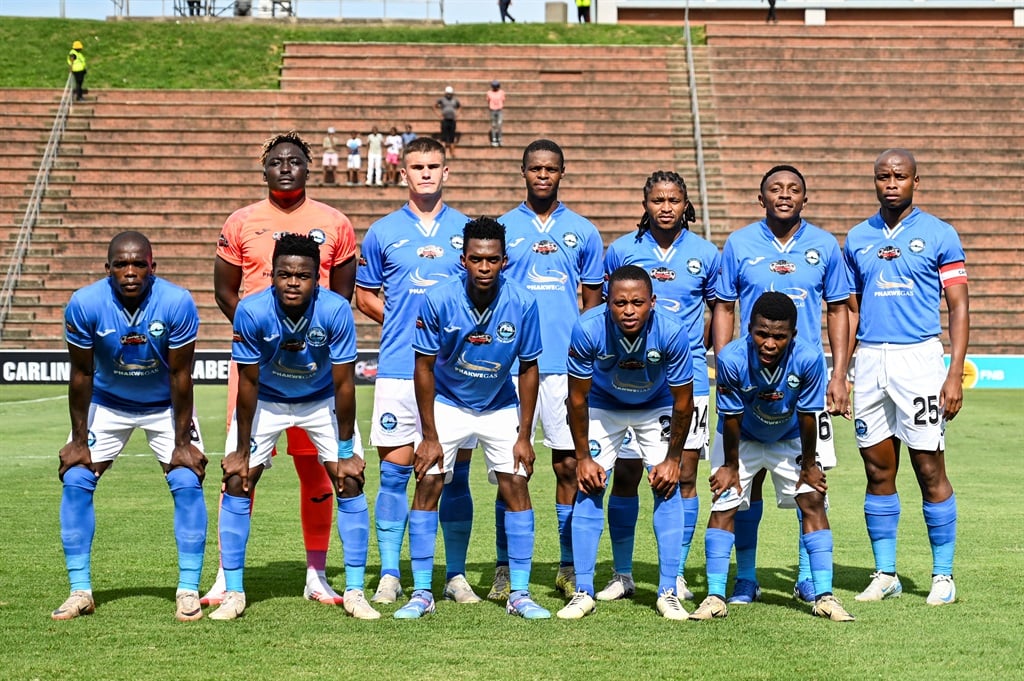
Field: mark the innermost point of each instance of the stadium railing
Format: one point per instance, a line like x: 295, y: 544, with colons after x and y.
x: 698, y: 141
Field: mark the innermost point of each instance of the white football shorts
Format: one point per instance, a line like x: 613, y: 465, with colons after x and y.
x: 650, y: 427
x: 109, y: 430
x: 496, y: 431
x: 551, y: 413
x: 696, y: 438
x: 778, y: 458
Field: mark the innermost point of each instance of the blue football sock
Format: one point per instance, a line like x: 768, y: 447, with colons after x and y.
x: 235, y: 521
x: 746, y: 526
x: 422, y: 537
x: 668, y: 531
x: 803, y: 558
x: 391, y: 510
x: 455, y: 513
x: 622, y: 515
x: 78, y: 525
x: 354, y: 532
x: 189, y: 525
x: 519, y: 528
x: 564, y: 513
x: 940, y: 518
x: 819, y: 551
x: 500, y: 538
x: 882, y: 516
x: 691, y: 509
x: 588, y: 523
x: 717, y: 547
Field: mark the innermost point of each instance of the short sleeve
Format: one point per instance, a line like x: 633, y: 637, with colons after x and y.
x: 370, y: 272
x: 245, y: 332
x: 580, y: 363
x: 78, y: 324
x: 184, y: 324
x: 530, y: 347
x: 725, y: 284
x: 427, y: 339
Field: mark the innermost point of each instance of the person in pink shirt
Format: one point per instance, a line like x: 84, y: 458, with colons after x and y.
x: 496, y: 104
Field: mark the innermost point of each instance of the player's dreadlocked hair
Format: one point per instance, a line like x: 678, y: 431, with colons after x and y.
x: 483, y: 228
x: 298, y: 244
x: 658, y: 176
x: 775, y: 307
x: 290, y: 136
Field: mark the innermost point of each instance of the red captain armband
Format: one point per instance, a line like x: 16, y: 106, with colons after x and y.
x: 952, y: 274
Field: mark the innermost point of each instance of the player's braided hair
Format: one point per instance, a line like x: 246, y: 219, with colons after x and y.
x: 282, y: 138
x: 298, y: 244
x: 483, y: 228
x: 775, y: 306
x: 657, y: 177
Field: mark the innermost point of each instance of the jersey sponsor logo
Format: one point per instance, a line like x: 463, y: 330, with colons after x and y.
x: 293, y: 345
x: 481, y: 368
x: 544, y: 247
x: 157, y: 328
x: 669, y: 305
x: 860, y: 426
x: 452, y: 328
x: 317, y: 337
x: 271, y: 338
x: 755, y: 261
x: 102, y: 334
x: 663, y: 274
x: 654, y: 356
x: 769, y: 418
x: 770, y: 395
x: 631, y: 364
x: 796, y: 294
x: 456, y: 242
x: 552, y: 280
x: 134, y: 338
x: 479, y: 338
x: 782, y: 267
x: 595, y: 448
x: 628, y: 387
x: 866, y: 249
x: 423, y: 282
x: 506, y: 332
x: 694, y: 266
x: 136, y: 367
x: 812, y: 256
x: 916, y: 245
x: 318, y: 236
x: 886, y: 288
x: 430, y: 252
x: 888, y: 253
x: 301, y: 371
x: 388, y: 421
x: 570, y: 240
x: 515, y: 242
x: 604, y: 357
x: 399, y: 243
x: 666, y: 426
x: 793, y: 381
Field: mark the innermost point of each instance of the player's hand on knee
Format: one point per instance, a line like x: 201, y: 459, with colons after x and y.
x: 723, y: 479
x: 73, y: 454
x: 814, y: 477
x: 590, y: 475
x: 664, y: 478
x: 191, y: 457
x: 428, y: 455
x: 353, y: 467
x: 235, y: 463
x: 523, y: 455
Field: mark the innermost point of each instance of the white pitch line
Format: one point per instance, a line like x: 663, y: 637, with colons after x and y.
x: 41, y: 399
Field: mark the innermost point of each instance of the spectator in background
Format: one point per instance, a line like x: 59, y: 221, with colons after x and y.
x: 354, y: 160
x: 771, y: 18
x: 503, y: 8
x: 407, y: 137
x: 583, y: 11
x: 448, y: 107
x: 330, y: 157
x: 394, y: 145
x: 76, y: 62
x: 374, y: 156
x: 195, y: 8
x: 496, y: 103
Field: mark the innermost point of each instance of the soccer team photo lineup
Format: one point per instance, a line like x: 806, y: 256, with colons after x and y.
x: 497, y: 328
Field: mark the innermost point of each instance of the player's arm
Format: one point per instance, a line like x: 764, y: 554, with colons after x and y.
x: 348, y: 465
x: 810, y: 472
x: 76, y: 451
x: 237, y: 462
x: 529, y: 385
x: 727, y: 476
x: 429, y: 453
x: 665, y: 476
x: 708, y: 340
x: 723, y: 320
x: 592, y: 295
x: 589, y: 474
x: 853, y: 312
x: 957, y: 304
x: 227, y: 279
x: 837, y: 326
x: 369, y: 302
x: 185, y: 453
x: 343, y: 278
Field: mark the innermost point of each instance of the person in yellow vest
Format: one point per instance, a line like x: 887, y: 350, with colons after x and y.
x: 583, y: 11
x: 76, y: 62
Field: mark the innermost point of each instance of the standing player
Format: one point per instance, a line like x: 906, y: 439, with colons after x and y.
x: 470, y: 332
x: 785, y: 253
x: 404, y: 255
x: 770, y: 384
x: 682, y: 267
x: 295, y: 347
x: 243, y: 267
x: 131, y: 338
x: 552, y: 251
x: 902, y: 260
x: 629, y: 368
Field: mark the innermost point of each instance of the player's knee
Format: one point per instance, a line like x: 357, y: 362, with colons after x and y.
x: 180, y: 478
x: 80, y: 477
x: 348, y: 487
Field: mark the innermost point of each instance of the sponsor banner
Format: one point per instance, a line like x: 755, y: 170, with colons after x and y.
x: 210, y: 367
x: 993, y: 371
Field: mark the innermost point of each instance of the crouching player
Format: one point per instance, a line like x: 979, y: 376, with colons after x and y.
x: 295, y: 348
x: 470, y: 331
x: 628, y: 367
x: 770, y: 385
x: 131, y: 339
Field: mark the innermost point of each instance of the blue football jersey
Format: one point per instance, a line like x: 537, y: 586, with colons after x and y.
x: 684, y: 283
x: 475, y: 350
x: 809, y: 269
x: 630, y: 373
x: 552, y: 258
x: 295, y: 357
x: 404, y: 257
x: 899, y: 274
x: 130, y: 351
x: 769, y: 400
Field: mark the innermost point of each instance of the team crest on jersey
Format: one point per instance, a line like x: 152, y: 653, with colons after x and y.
x: 388, y: 421
x: 782, y: 267
x: 545, y: 247
x: 134, y: 338
x: 222, y: 241
x: 888, y: 253
x: 631, y: 364
x: 431, y: 252
x: 860, y: 427
x: 293, y: 345
x: 694, y: 266
x: 595, y: 448
x: 812, y: 256
x: 793, y: 381
x: 662, y: 274
x: 456, y: 242
x: 916, y: 245
x: 570, y: 240
x: 316, y: 336
x: 506, y: 332
x: 479, y: 338
x: 666, y: 427
x: 654, y: 356
x: 157, y: 328
x: 770, y: 395
x: 318, y: 236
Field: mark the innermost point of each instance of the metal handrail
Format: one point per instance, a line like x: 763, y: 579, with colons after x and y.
x: 698, y: 141
x: 32, y: 210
